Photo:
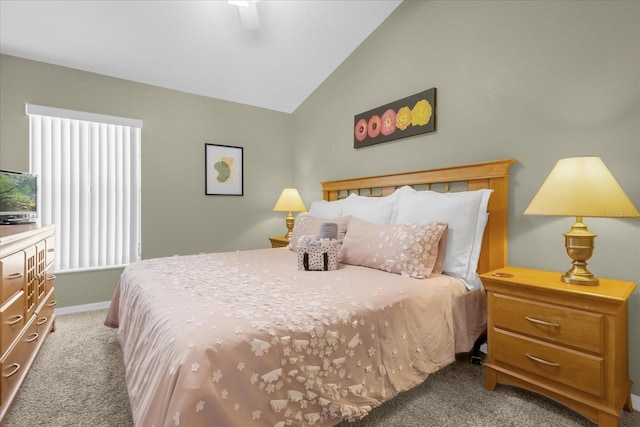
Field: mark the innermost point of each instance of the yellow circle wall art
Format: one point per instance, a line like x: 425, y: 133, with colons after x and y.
x: 421, y: 113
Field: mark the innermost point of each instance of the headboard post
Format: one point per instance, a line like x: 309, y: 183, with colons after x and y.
x: 493, y: 175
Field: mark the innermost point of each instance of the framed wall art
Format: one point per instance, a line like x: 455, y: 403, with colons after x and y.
x: 413, y: 115
x: 224, y: 170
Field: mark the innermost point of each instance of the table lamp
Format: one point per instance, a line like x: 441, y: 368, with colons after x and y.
x: 289, y: 201
x: 581, y: 187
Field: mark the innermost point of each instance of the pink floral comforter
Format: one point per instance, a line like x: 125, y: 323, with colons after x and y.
x: 245, y: 339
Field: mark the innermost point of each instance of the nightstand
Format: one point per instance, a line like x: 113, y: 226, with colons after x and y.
x: 279, y: 242
x: 568, y: 342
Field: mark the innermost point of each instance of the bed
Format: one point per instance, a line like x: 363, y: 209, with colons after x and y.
x: 247, y: 339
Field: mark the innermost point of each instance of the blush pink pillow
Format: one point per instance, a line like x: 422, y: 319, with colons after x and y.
x: 413, y: 250
x: 307, y: 225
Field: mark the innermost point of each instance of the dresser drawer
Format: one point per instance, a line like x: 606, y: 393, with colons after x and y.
x: 51, y: 250
x: 13, y: 367
x: 12, y: 320
x: 572, y: 368
x: 45, y: 314
x: 50, y: 279
x: 13, y: 276
x: 580, y: 329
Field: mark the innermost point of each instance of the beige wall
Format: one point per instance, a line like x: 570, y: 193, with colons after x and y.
x: 177, y: 218
x: 534, y: 81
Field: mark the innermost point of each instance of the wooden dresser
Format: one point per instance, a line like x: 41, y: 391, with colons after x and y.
x: 26, y: 302
x: 568, y: 342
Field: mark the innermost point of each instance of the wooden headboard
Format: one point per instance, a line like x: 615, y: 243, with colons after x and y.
x: 493, y: 175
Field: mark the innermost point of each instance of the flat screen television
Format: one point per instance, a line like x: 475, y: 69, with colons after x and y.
x: 18, y: 197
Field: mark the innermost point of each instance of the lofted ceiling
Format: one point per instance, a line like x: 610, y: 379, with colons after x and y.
x: 210, y: 48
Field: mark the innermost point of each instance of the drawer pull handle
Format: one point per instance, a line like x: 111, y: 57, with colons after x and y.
x: 15, y: 319
x: 544, y: 362
x: 42, y: 321
x: 16, y: 368
x: 15, y: 276
x: 52, y: 303
x: 542, y: 322
x: 34, y: 336
x: 51, y: 250
x: 52, y: 277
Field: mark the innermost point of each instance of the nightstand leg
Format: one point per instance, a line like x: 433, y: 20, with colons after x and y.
x: 608, y: 420
x: 628, y: 406
x: 490, y: 378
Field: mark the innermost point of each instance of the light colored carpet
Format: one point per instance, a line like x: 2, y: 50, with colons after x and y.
x: 78, y: 380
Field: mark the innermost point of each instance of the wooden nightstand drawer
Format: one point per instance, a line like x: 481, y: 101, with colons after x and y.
x: 576, y: 328
x: 571, y: 368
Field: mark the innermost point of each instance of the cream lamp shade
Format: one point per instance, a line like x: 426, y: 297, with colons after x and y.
x: 289, y: 201
x: 581, y: 187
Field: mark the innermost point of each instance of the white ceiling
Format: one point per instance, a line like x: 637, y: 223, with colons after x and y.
x: 198, y: 47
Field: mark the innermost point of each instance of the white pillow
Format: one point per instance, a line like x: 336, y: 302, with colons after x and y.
x: 379, y: 210
x: 466, y: 214
x: 325, y: 209
x: 397, y: 194
x: 361, y: 205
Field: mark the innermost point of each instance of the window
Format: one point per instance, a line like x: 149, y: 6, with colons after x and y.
x: 89, y: 185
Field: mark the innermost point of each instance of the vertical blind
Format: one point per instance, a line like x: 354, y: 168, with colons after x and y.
x: 88, y: 167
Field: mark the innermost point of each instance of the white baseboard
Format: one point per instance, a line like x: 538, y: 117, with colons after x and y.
x: 83, y: 307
